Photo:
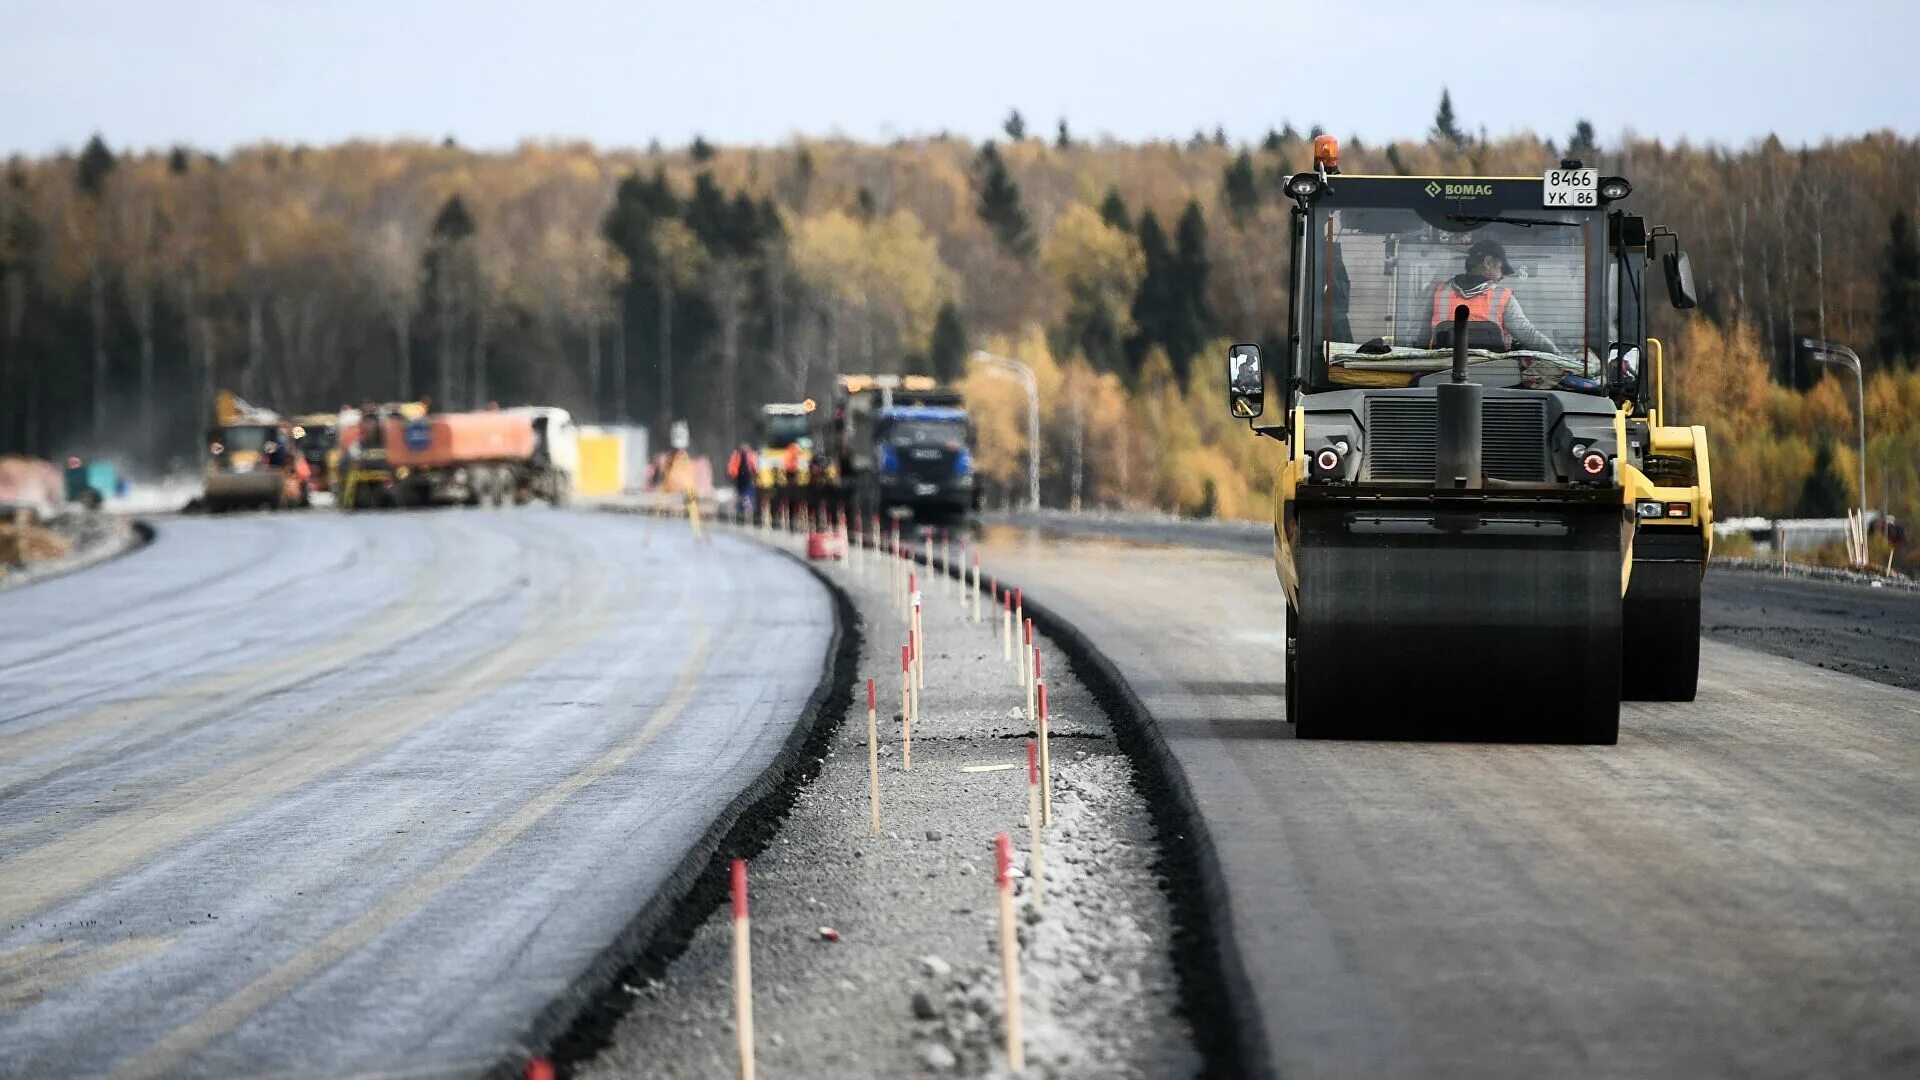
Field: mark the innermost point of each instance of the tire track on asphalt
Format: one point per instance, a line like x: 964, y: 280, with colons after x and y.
x: 95, y: 851
x: 137, y: 724
x: 165, y: 1057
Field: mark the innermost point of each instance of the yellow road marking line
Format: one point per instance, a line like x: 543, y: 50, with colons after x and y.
x: 420, y: 608
x: 29, y: 979
x: 99, y: 849
x: 165, y: 1056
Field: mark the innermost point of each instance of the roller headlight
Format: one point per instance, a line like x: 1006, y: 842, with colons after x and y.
x: 1647, y: 509
x: 1593, y: 464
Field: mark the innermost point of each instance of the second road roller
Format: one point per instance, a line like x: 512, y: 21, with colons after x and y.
x: 1484, y: 525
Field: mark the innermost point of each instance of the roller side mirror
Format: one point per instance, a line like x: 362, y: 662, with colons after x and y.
x: 1679, y: 270
x: 1246, y: 386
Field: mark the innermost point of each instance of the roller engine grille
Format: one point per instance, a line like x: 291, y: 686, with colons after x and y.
x: 1513, y: 439
x: 1402, y: 433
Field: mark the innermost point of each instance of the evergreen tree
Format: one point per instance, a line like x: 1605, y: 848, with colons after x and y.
x: 1316, y: 131
x: 1287, y: 134
x: 453, y: 223
x: 1063, y: 139
x: 948, y: 349
x: 1272, y: 143
x: 701, y: 151
x: 96, y: 161
x: 1393, y: 159
x: 707, y: 214
x: 1015, y: 125
x: 1191, y: 324
x: 1822, y: 495
x: 448, y: 282
x: 1113, y: 211
x: 1159, y: 293
x: 1581, y: 143
x: 1899, y: 318
x: 1446, y: 126
x: 1242, y: 192
x: 864, y: 205
x: 179, y: 161
x: 999, y: 203
x: 1219, y: 135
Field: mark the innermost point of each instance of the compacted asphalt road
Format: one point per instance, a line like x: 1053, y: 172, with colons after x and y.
x: 1733, y: 890
x: 324, y: 794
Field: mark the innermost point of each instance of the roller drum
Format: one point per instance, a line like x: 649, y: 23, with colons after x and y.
x: 1487, y: 623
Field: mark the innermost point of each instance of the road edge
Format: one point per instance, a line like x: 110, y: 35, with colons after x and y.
x: 139, y: 534
x: 580, y: 1021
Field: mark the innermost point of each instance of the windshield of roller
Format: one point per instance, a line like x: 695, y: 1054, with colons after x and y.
x: 1387, y: 282
x: 786, y: 429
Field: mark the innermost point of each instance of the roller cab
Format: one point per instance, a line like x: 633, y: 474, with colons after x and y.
x: 1472, y: 432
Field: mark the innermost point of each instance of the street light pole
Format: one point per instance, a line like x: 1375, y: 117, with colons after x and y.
x: 1008, y: 368
x: 1826, y: 352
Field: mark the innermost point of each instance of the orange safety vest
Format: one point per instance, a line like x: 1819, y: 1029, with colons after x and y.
x: 1485, y: 305
x: 790, y: 460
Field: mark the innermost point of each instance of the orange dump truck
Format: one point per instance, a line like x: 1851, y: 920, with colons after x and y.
x: 454, y: 458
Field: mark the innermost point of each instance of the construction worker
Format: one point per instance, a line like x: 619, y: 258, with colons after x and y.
x: 790, y: 463
x: 743, y: 468
x: 1487, y: 301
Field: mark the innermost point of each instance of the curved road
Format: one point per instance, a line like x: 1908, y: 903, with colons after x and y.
x: 325, y: 794
x: 1734, y: 890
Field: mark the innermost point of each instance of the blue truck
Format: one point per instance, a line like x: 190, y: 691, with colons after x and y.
x: 902, y: 443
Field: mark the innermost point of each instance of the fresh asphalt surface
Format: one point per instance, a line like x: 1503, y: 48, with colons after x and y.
x: 325, y: 794
x: 1731, y: 891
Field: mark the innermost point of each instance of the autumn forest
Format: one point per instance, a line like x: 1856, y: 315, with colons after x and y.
x: 698, y: 281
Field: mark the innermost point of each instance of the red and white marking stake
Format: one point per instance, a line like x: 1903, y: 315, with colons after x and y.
x: 873, y: 758
x: 1033, y: 821
x: 975, y: 590
x: 946, y: 562
x: 1019, y: 609
x: 919, y: 638
x: 1046, y: 760
x: 1026, y: 673
x: 906, y: 707
x: 742, y: 971
x: 906, y: 597
x: 1005, y: 604
x: 1009, y: 949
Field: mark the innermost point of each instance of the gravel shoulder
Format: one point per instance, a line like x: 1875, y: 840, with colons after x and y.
x: 912, y: 985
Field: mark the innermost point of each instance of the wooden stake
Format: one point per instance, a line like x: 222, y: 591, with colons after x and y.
x: 873, y: 758
x: 1026, y: 672
x: 919, y: 647
x: 1046, y: 759
x: 1009, y: 949
x: 976, y: 587
x: 1033, y: 822
x: 742, y: 971
x: 906, y: 708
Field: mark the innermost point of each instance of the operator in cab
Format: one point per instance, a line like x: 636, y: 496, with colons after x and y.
x: 1487, y: 301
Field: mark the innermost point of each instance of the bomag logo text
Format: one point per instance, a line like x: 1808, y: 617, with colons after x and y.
x: 1458, y: 191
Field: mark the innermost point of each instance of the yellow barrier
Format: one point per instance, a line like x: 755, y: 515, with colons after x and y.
x: 602, y: 465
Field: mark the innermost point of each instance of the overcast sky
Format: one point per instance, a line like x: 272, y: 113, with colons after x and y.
x: 151, y: 73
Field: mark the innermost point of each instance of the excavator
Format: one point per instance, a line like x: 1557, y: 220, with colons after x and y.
x: 1486, y: 525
